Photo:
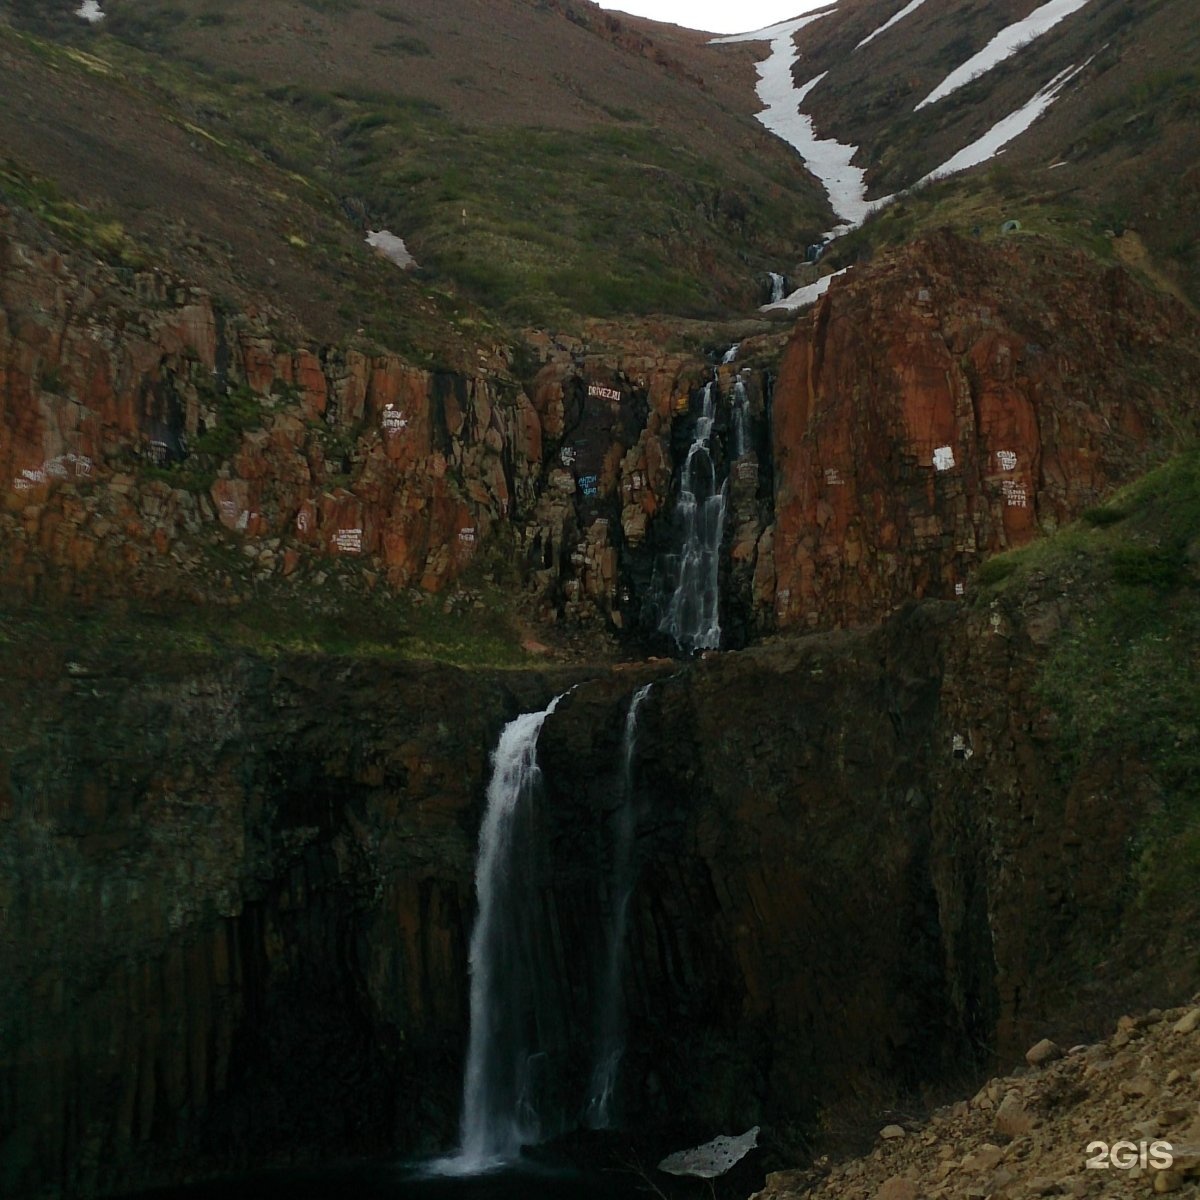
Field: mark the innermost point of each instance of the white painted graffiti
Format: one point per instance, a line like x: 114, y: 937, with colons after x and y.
x: 62, y: 466
x: 943, y: 458
x: 229, y: 510
x: 348, y: 541
x: 1006, y: 460
x: 1015, y: 495
x: 394, y: 420
x: 467, y: 536
x: 747, y: 471
x: 567, y: 456
x: 833, y: 477
x: 157, y: 453
x: 29, y: 479
x: 960, y: 589
x: 303, y: 520
x: 604, y: 393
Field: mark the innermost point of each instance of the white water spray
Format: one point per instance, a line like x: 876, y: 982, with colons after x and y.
x: 693, y: 617
x: 610, y: 1042
x: 508, y: 974
x: 741, y: 418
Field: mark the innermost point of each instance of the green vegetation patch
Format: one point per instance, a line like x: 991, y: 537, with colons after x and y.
x: 1140, y: 113
x: 977, y: 205
x: 90, y: 228
x: 337, y: 617
x: 1122, y: 676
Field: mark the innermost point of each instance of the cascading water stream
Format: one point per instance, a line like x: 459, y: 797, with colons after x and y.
x: 693, y: 616
x: 741, y: 418
x: 610, y: 1043
x: 778, y: 287
x: 510, y: 1008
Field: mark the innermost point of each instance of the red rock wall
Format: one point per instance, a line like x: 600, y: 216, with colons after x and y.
x: 346, y: 452
x: 953, y: 401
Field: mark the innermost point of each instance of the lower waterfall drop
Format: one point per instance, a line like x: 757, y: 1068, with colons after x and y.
x: 510, y: 1010
x: 778, y: 287
x: 610, y: 1042
x: 693, y: 616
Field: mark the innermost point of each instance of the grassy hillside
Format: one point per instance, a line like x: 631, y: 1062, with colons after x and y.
x: 538, y: 167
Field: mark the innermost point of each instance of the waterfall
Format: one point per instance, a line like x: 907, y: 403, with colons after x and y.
x: 511, y: 1012
x: 741, y: 418
x: 610, y: 1045
x: 778, y: 287
x: 731, y: 354
x: 693, y: 616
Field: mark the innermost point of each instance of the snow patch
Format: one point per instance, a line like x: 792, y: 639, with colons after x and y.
x: 1003, y: 132
x: 827, y: 158
x: 771, y: 33
x: 911, y: 7
x: 712, y: 1159
x: 804, y: 296
x: 90, y: 10
x: 1006, y: 43
x: 392, y: 248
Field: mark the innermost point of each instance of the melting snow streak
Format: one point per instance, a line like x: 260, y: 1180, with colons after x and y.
x: 827, y: 159
x: 1005, y: 130
x: 911, y: 7
x: 805, y: 295
x: 1006, y: 43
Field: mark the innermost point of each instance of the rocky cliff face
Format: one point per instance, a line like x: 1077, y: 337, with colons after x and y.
x: 234, y: 898
x: 934, y: 408
x: 868, y: 863
x: 144, y: 428
x: 138, y: 418
x: 953, y: 400
x: 237, y: 894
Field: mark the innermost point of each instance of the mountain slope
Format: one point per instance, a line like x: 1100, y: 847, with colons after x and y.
x: 1114, y: 151
x: 545, y: 159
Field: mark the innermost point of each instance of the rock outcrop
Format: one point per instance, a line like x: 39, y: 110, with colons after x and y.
x: 145, y: 430
x: 1119, y: 1116
x: 955, y: 399
x: 137, y: 418
x: 917, y: 425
